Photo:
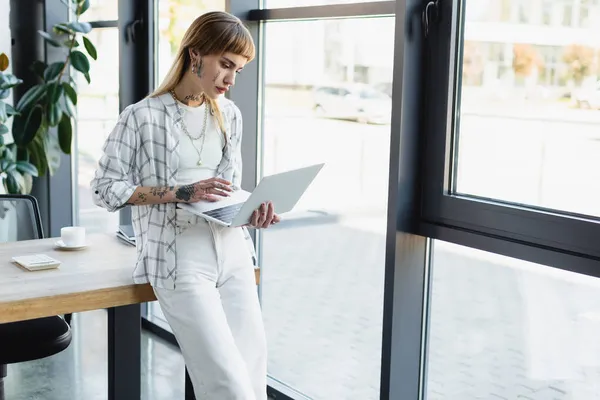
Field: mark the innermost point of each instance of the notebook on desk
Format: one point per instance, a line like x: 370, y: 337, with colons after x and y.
x: 36, y: 262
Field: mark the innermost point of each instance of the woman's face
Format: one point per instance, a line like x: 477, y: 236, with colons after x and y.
x: 215, y: 74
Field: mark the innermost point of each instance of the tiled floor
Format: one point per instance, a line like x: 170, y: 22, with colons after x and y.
x: 80, y: 372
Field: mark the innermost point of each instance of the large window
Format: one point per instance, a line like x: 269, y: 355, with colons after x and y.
x: 327, y: 99
x: 502, y: 328
x: 97, y: 113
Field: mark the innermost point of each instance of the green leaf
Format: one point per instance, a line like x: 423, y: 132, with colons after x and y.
x: 54, y: 114
x: 10, y: 110
x: 82, y: 7
x: 69, y: 91
x: 81, y: 27
x: 80, y: 61
x: 3, y: 130
x: 71, y: 43
x: 91, y: 49
x: 27, y: 168
x: 32, y: 96
x: 25, y: 127
x: 49, y: 39
x: 55, y: 90
x: 65, y: 134
x: 38, y: 67
x: 38, y: 158
x: 12, y: 184
x: 3, y: 114
x: 87, y: 78
x: 67, y: 106
x: 4, y: 94
x: 8, y: 81
x: 53, y: 70
x: 62, y: 29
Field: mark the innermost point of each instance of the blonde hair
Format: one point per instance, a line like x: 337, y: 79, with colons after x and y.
x: 213, y: 33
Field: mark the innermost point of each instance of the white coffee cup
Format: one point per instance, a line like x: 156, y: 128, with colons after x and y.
x: 73, y: 236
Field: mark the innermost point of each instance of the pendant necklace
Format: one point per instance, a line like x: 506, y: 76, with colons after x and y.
x: 185, y: 130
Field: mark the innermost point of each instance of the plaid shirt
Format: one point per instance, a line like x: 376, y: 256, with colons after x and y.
x: 142, y: 150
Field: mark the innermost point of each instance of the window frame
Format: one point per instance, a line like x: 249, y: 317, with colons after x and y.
x: 537, y: 228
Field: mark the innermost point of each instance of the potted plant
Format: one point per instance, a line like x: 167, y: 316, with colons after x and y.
x: 50, y: 103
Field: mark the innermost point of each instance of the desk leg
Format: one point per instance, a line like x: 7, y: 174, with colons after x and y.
x: 189, y: 389
x: 124, y: 353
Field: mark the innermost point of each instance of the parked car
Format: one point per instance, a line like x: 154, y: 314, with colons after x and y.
x: 357, y: 102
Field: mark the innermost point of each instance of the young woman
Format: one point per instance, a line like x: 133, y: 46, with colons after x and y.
x: 182, y: 144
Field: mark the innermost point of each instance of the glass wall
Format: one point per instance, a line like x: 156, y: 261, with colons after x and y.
x: 502, y: 328
x: 97, y: 113
x: 327, y: 99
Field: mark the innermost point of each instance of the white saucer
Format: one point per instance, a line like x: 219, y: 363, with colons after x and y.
x: 61, y: 245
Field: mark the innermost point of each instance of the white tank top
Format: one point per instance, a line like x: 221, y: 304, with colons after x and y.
x: 211, y: 151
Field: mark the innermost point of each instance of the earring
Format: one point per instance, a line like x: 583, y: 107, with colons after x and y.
x: 193, y: 68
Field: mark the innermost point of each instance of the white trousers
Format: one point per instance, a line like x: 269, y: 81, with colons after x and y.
x: 215, y: 314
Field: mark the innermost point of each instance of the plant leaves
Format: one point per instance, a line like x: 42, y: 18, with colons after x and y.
x: 91, y: 49
x: 3, y: 130
x: 54, y: 92
x: 62, y: 29
x: 87, y: 78
x: 67, y: 106
x: 25, y: 127
x: 8, y: 81
x: 65, y: 134
x: 4, y: 94
x: 12, y: 185
x: 38, y: 67
x: 26, y: 168
x: 10, y: 110
x: 81, y: 27
x: 82, y: 7
x: 54, y: 113
x: 37, y: 153
x: 80, y: 61
x: 32, y: 96
x: 49, y: 39
x: 3, y: 62
x: 69, y: 91
x: 3, y: 114
x: 71, y: 43
x: 53, y: 70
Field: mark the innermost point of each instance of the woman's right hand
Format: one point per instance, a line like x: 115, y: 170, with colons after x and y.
x: 208, y: 190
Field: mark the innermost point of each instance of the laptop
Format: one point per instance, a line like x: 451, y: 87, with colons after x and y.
x: 284, y: 190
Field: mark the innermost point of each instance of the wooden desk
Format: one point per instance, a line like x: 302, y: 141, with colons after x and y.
x: 93, y: 278
x: 96, y: 277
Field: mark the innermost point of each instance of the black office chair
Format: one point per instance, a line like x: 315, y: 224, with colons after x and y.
x: 33, y: 339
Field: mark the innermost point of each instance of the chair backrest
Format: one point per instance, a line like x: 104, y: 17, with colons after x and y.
x: 19, y: 218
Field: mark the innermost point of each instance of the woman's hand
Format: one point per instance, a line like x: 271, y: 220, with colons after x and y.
x: 264, y: 216
x: 207, y: 190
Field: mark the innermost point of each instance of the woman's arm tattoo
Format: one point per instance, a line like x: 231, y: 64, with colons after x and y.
x: 185, y: 192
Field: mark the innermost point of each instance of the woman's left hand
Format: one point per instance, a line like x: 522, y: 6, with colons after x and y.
x: 264, y: 216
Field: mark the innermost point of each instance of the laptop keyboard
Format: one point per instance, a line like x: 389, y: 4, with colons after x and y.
x: 225, y: 214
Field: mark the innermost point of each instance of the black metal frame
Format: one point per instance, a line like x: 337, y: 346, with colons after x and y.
x: 350, y: 10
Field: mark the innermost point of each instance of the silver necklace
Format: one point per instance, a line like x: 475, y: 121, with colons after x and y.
x: 185, y: 130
